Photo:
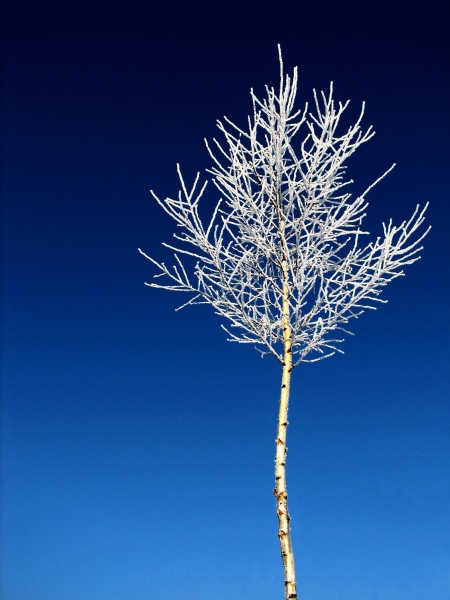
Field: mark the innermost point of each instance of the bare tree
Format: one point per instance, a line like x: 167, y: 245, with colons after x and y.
x: 280, y: 257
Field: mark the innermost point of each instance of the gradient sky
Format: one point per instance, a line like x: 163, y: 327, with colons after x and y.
x: 137, y: 444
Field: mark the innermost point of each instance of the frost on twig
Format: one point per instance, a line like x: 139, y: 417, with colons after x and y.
x: 285, y: 200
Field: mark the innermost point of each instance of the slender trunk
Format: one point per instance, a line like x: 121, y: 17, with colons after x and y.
x: 284, y: 530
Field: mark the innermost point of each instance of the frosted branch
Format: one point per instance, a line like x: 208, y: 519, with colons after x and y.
x: 283, y: 202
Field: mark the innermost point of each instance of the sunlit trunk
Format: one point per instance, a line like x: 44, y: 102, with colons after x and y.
x: 284, y: 530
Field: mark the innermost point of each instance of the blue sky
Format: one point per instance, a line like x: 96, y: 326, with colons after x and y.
x: 137, y: 444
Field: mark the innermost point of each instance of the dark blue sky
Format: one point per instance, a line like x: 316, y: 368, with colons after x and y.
x: 137, y: 457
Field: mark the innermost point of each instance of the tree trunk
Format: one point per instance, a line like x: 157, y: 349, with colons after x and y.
x: 284, y: 530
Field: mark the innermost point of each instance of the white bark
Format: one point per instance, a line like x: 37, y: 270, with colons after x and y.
x: 280, y: 491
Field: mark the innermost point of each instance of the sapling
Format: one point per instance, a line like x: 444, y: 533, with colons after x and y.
x: 281, y: 257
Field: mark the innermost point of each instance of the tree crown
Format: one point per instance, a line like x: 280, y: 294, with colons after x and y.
x: 285, y: 227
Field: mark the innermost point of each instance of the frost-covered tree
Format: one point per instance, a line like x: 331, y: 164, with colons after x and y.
x: 281, y: 257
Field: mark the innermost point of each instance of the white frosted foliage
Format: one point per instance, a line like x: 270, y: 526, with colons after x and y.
x: 285, y: 218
